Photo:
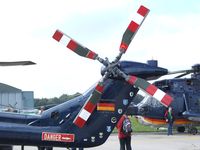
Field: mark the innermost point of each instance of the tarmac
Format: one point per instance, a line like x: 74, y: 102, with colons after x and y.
x: 146, y: 141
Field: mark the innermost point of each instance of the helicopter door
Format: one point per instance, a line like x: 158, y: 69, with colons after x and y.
x: 194, y: 100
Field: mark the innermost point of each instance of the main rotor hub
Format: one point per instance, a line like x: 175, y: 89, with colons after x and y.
x: 110, y: 68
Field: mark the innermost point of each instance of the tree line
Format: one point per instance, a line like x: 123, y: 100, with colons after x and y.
x: 54, y: 101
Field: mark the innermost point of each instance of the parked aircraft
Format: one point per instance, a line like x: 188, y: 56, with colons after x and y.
x: 186, y: 104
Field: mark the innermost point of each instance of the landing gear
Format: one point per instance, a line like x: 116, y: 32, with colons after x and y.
x: 44, y: 148
x: 192, y: 130
x: 6, y: 147
x: 180, y: 129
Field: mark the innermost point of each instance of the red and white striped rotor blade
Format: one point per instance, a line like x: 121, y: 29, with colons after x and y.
x: 73, y: 45
x: 150, y: 89
x: 89, y: 106
x: 133, y: 28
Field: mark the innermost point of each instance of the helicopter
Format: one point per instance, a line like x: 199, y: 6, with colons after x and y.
x: 87, y: 120
x: 186, y: 102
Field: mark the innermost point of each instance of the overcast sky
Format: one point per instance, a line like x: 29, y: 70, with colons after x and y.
x: 169, y: 34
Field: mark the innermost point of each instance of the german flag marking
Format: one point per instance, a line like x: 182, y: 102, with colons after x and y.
x: 106, y: 107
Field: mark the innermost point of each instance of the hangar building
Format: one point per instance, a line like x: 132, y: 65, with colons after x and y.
x: 16, y: 98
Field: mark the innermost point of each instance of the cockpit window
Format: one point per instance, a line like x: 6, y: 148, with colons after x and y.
x: 55, y: 115
x: 189, y: 82
x: 163, y: 85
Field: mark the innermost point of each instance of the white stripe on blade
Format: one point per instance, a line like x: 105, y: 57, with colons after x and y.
x: 65, y: 40
x: 137, y: 18
x: 84, y: 114
x: 159, y: 94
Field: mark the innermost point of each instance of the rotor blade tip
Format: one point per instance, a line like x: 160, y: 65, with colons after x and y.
x: 57, y: 35
x: 143, y: 10
x: 30, y: 63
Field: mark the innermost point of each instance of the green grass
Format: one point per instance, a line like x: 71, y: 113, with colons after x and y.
x: 137, y: 127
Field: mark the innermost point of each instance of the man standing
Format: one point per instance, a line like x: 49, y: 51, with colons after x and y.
x: 169, y: 117
x: 124, y: 138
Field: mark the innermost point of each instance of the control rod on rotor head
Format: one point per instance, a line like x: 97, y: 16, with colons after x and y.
x: 118, y: 57
x: 122, y: 74
x: 104, y: 62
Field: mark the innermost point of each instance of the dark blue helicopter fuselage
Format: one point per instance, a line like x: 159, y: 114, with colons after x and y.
x: 19, y: 129
x: 186, y: 102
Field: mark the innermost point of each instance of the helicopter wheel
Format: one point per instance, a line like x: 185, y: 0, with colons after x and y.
x: 193, y: 130
x: 180, y: 129
x: 6, y: 147
x: 44, y: 148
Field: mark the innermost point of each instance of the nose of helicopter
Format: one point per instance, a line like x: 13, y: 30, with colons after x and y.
x: 142, y: 70
x: 137, y: 109
x: 132, y: 110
